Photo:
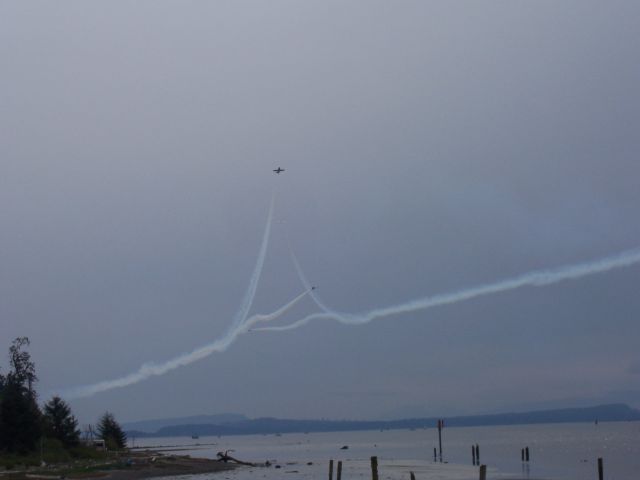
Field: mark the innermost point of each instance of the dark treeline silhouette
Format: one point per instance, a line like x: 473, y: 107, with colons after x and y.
x: 25, y: 427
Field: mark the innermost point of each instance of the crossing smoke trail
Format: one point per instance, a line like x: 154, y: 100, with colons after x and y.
x: 151, y: 369
x: 306, y: 283
x: 247, y: 301
x: 271, y: 316
x: 537, y: 278
x: 239, y: 325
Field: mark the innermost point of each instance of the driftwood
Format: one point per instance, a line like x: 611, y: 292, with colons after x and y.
x: 225, y: 457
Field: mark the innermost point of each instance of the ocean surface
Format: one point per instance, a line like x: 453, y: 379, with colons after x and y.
x: 557, y: 452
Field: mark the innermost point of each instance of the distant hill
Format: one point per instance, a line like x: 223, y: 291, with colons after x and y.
x: 152, y: 426
x: 241, y: 425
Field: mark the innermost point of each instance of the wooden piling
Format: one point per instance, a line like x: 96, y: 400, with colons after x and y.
x: 483, y: 472
x: 440, y: 425
x: 600, y: 469
x: 473, y: 454
x: 413, y: 477
x: 374, y: 468
x: 339, y: 471
x: 435, y: 454
x: 330, y: 469
x: 526, y: 454
x: 477, y: 454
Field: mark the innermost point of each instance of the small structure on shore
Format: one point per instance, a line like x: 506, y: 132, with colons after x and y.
x: 97, y: 443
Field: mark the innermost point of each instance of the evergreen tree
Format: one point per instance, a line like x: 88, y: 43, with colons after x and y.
x: 23, y: 369
x: 111, y: 432
x: 20, y: 417
x: 60, y: 423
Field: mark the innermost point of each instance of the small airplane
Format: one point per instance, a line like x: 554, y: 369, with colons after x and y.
x: 279, y: 170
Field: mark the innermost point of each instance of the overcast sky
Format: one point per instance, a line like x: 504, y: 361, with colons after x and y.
x: 428, y: 147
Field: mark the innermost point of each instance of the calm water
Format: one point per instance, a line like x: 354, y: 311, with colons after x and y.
x: 558, y: 452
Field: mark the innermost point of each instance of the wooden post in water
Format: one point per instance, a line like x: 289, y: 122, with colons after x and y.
x: 374, y: 468
x: 339, y: 472
x: 440, y: 425
x: 600, y: 469
x: 526, y: 454
x: 473, y: 454
x: 483, y: 472
x: 330, y: 469
x: 435, y: 454
x: 477, y: 454
x: 413, y: 477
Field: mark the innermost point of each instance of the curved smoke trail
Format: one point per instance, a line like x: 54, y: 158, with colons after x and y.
x: 148, y: 370
x: 307, y: 285
x: 536, y: 278
x: 247, y: 300
x: 272, y: 316
x: 236, y: 328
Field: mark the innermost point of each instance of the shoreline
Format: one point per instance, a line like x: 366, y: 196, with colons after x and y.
x: 132, y: 466
x: 170, y: 465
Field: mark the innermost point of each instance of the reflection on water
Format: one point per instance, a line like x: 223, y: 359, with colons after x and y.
x: 558, y: 451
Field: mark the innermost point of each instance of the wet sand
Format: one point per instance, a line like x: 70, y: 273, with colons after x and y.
x: 164, y: 466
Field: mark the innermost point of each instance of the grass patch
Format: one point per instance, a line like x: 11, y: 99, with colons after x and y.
x: 59, y: 460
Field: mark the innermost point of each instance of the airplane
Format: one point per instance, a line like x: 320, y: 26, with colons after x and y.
x: 279, y: 170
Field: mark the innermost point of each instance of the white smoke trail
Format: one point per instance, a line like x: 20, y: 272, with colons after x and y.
x: 272, y: 316
x: 237, y: 326
x: 534, y: 279
x: 151, y: 369
x: 247, y: 301
x: 307, y: 285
